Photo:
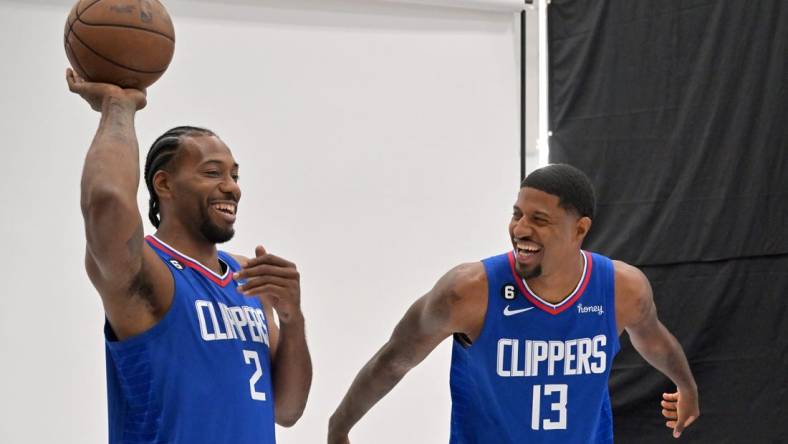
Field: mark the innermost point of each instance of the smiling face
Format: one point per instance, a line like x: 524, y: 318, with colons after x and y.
x: 201, y: 191
x: 545, y: 236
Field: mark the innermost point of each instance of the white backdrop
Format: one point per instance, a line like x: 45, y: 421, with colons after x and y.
x: 378, y: 145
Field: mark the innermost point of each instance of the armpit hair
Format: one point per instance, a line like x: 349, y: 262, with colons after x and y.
x: 140, y: 287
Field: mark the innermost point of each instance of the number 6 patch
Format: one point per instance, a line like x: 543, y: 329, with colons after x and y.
x: 508, y: 292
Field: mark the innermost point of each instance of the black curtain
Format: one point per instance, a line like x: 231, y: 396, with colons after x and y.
x: 678, y: 111
x: 731, y: 317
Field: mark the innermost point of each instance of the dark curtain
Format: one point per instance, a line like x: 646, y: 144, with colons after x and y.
x: 678, y: 111
x: 731, y: 318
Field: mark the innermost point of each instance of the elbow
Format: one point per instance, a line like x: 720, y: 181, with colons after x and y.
x: 291, y: 392
x: 289, y: 418
x: 288, y: 410
x: 287, y: 422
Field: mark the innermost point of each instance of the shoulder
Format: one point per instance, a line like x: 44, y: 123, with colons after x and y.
x: 464, y: 281
x: 634, y: 297
x: 630, y: 281
x: 458, y: 301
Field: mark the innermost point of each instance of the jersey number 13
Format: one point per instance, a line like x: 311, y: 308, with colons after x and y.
x: 550, y: 390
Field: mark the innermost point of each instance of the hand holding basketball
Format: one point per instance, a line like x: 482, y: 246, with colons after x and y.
x: 96, y: 94
x: 129, y: 43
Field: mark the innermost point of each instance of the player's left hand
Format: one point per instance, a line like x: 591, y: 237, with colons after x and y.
x: 275, y: 281
x: 680, y: 409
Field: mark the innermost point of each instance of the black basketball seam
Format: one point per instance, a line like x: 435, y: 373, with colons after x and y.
x: 71, y: 23
x: 76, y: 59
x: 71, y: 31
x: 111, y: 61
x: 139, y: 28
x: 79, y: 13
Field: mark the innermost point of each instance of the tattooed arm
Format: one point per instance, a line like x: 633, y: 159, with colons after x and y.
x: 134, y: 285
x: 456, y: 304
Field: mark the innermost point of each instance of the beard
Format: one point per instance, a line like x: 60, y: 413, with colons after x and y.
x: 215, y: 233
x: 529, y: 274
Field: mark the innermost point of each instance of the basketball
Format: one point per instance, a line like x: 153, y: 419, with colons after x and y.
x: 128, y: 43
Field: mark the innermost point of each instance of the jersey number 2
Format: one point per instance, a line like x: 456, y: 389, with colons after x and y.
x: 249, y: 356
x: 559, y: 407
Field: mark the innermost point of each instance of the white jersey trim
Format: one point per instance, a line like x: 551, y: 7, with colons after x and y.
x: 219, y: 276
x: 568, y: 298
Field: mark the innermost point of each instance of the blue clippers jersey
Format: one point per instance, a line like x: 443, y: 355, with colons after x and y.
x: 538, y: 372
x: 200, y: 375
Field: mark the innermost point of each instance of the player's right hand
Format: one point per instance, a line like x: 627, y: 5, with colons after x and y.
x: 99, y: 94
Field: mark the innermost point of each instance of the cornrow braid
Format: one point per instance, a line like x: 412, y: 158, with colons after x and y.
x: 159, y: 156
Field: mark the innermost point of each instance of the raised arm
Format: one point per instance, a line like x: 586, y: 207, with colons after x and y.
x: 636, y: 312
x: 113, y: 225
x: 456, y: 304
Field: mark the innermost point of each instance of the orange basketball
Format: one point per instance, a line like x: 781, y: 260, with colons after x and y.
x: 126, y: 42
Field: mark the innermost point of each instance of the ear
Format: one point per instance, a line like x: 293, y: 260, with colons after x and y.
x: 583, y: 226
x: 162, y: 185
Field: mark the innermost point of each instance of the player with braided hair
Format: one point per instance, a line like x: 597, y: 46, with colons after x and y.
x: 159, y: 156
x: 193, y: 352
